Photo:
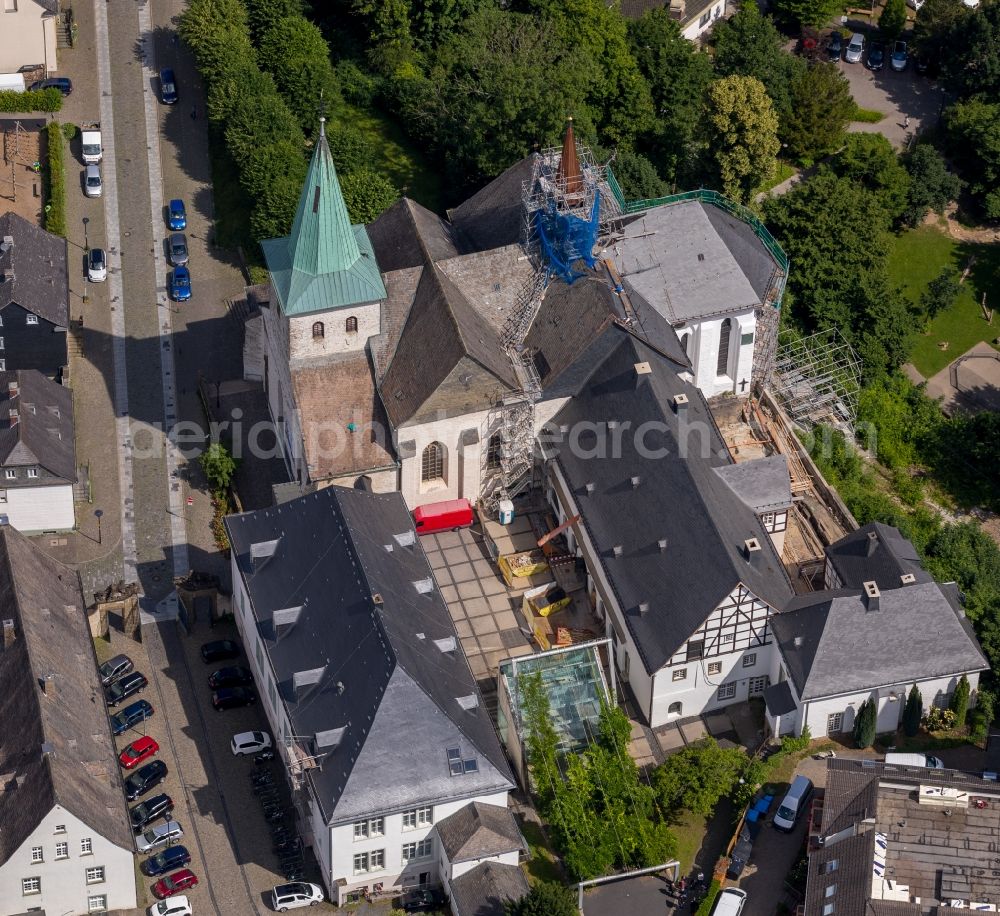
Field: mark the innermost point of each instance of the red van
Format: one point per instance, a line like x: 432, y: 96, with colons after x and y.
x: 449, y: 515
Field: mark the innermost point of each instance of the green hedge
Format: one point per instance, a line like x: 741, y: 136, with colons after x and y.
x: 46, y: 100
x: 705, y: 907
x: 54, y: 182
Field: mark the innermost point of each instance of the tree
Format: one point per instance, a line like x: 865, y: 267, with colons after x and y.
x: 264, y: 15
x: 973, y: 131
x: 941, y: 293
x: 349, y: 148
x: 367, y: 194
x: 812, y: 13
x: 971, y: 65
x: 960, y: 701
x: 635, y: 174
x: 217, y: 33
x: 892, y: 21
x: 821, y: 108
x: 544, y: 899
x: 932, y: 186
x: 696, y: 777
x: 870, y: 160
x: 865, y: 723
x: 913, y: 712
x: 743, y: 135
x: 932, y: 30
x: 218, y: 465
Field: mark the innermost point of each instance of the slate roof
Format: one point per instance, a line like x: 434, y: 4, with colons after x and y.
x: 43, y: 434
x: 38, y: 262
x: 368, y: 621
x: 859, y: 558
x: 409, y: 235
x: 441, y: 329
x: 479, y: 830
x: 679, y: 498
x: 330, y: 397
x: 763, y: 483
x: 483, y: 890
x: 81, y: 773
x: 491, y: 218
x: 832, y: 644
x: 779, y: 700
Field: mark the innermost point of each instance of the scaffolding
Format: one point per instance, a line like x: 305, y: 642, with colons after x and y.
x: 767, y: 319
x: 817, y: 379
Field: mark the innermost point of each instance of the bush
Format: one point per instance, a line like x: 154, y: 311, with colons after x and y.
x: 705, y: 907
x: 544, y: 899
x: 69, y: 131
x: 960, y: 702
x: 219, y: 466
x: 356, y: 86
x: 865, y: 724
x: 866, y: 115
x: 49, y: 100
x: 913, y: 712
x: 54, y: 181
x: 938, y: 719
x: 367, y: 194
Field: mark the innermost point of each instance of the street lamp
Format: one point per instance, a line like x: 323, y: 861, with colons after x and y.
x: 86, y: 244
x: 97, y: 514
x: 86, y: 273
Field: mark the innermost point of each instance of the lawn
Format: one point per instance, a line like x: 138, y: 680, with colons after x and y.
x: 917, y: 257
x: 690, y: 831
x: 783, y: 172
x: 542, y: 864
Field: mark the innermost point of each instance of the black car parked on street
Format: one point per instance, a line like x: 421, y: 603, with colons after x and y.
x: 150, y: 810
x: 128, y: 686
x: 219, y: 651
x: 144, y: 779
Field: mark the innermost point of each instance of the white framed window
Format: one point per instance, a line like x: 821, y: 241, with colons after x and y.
x: 1, y: 344
x: 768, y: 519
x: 727, y: 637
x: 425, y: 816
x: 62, y: 850
x: 86, y: 846
x: 727, y: 691
x: 750, y: 659
x: 97, y: 903
x: 32, y: 319
x: 36, y: 854
x: 95, y: 875
x: 372, y: 827
x: 828, y: 909
x: 834, y: 723
x: 830, y: 866
x: 679, y: 674
x: 3, y: 365
x: 60, y: 828
x: 830, y: 891
x: 410, y: 820
x: 32, y: 472
x: 360, y: 832
x: 715, y: 667
x: 31, y: 886
x: 360, y: 863
x: 10, y: 473
x: 376, y: 860
x: 423, y: 849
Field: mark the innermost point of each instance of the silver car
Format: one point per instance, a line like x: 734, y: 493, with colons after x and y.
x: 92, y: 184
x: 855, y: 48
x: 178, y: 249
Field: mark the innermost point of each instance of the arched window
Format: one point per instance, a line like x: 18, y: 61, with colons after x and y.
x: 432, y: 463
x: 493, y: 450
x: 722, y: 367
x: 674, y: 709
x: 352, y: 325
x: 318, y: 329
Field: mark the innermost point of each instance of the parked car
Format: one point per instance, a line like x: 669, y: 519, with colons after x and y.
x: 144, y: 779
x: 835, y: 47
x: 219, y: 651
x: 180, y: 284
x: 151, y: 809
x: 63, y: 83
x: 173, y: 906
x: 182, y: 880
x: 168, y: 87
x: 139, y: 750
x: 855, y: 48
x: 93, y: 186
x: 730, y: 902
x: 899, y: 58
x: 131, y: 715
x: 423, y: 899
x: 176, y: 214
x: 125, y: 687
x: 876, y: 55
x: 230, y: 677
x: 233, y: 698
x: 158, y: 836
x: 115, y: 667
x: 297, y: 893
x: 172, y: 857
x: 250, y: 743
x: 178, y: 246
x: 97, y: 265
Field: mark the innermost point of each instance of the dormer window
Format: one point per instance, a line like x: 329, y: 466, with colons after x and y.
x: 352, y: 325
x: 318, y: 330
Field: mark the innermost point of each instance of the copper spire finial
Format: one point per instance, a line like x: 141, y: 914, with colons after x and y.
x: 569, y: 164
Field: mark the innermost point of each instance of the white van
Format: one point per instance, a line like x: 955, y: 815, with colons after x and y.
x: 793, y: 804
x: 914, y: 760
x: 730, y: 902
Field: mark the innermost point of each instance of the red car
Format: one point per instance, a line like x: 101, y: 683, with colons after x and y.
x: 173, y: 884
x: 139, y: 750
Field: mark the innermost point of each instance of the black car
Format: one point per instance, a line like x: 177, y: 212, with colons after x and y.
x: 422, y: 899
x: 876, y: 56
x: 63, y: 83
x: 168, y: 87
x: 835, y: 47
x: 233, y: 698
x: 144, y: 779
x: 172, y: 857
x: 150, y: 810
x: 230, y: 677
x: 128, y: 686
x: 219, y: 651
x: 131, y: 715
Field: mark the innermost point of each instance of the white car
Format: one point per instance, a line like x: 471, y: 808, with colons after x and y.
x: 92, y: 184
x: 159, y: 835
x: 297, y: 893
x: 250, y: 743
x: 97, y: 265
x: 174, y: 906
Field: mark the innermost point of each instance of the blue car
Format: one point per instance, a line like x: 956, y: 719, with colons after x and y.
x: 171, y: 857
x: 180, y: 284
x: 131, y: 715
x: 177, y: 215
x: 168, y: 87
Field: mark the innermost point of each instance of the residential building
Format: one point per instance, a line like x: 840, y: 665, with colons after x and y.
x: 356, y: 657
x: 34, y: 295
x: 37, y: 452
x: 28, y: 35
x: 695, y: 17
x: 902, y: 841
x: 65, y: 842
x: 888, y: 626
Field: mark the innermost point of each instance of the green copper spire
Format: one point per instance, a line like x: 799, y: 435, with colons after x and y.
x: 326, y: 262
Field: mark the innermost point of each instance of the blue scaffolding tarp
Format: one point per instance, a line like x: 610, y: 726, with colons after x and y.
x: 566, y: 239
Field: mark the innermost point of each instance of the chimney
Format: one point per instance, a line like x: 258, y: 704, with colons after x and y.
x: 6, y: 244
x: 9, y: 634
x: 617, y: 550
x: 642, y: 369
x: 680, y: 403
x: 872, y: 595
x: 872, y: 545
x: 907, y: 579
x: 751, y: 551
x: 662, y: 544
x: 14, y: 417
x: 12, y: 389
x: 635, y: 482
x: 49, y: 685
x: 643, y: 607
x: 590, y: 487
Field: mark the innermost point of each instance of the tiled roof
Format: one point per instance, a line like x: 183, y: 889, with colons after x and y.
x: 37, y: 261
x: 479, y: 830
x: 43, y: 434
x: 492, y: 218
x: 486, y: 889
